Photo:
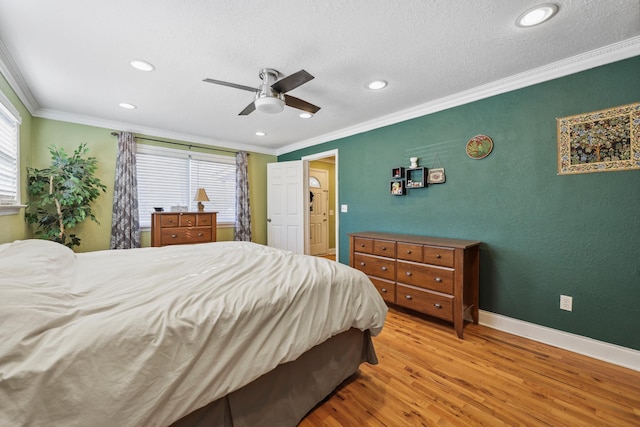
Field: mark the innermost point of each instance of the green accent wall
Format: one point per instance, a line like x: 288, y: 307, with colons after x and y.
x: 544, y: 235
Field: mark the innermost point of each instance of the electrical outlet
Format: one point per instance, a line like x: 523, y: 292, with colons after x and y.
x: 344, y: 208
x: 566, y: 303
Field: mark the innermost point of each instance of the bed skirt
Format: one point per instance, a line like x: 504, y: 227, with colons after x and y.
x: 283, y: 396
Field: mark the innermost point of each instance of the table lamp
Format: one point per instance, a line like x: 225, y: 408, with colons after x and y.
x: 201, y: 196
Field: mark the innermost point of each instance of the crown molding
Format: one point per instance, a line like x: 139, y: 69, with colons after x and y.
x: 595, y: 58
x: 143, y: 130
x: 14, y: 77
x: 611, y: 353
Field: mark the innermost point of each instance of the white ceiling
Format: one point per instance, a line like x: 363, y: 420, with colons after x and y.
x: 69, y: 60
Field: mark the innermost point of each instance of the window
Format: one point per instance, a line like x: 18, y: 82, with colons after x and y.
x: 169, y: 178
x: 9, y: 157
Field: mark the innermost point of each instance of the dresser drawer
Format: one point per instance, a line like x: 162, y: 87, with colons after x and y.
x: 169, y: 220
x: 410, y: 252
x: 363, y: 245
x: 376, y: 266
x: 204, y: 219
x: 438, y: 255
x: 431, y: 303
x: 181, y: 235
x: 386, y: 288
x: 187, y: 220
x: 426, y: 276
x: 384, y: 248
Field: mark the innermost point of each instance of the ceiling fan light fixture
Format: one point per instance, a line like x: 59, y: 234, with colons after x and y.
x: 269, y: 104
x: 127, y: 106
x: 537, y: 15
x: 260, y: 133
x: 305, y: 115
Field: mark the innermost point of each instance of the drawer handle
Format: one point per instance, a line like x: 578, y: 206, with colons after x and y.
x: 383, y: 290
x: 436, y: 305
x: 409, y: 252
x: 362, y: 245
x: 408, y: 273
x: 438, y: 256
x: 408, y: 297
x: 200, y: 234
x: 173, y: 236
x: 170, y: 221
x: 362, y: 264
x: 438, y: 279
x: 384, y: 268
x: 384, y: 248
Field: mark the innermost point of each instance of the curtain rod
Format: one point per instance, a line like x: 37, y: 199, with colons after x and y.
x: 180, y: 143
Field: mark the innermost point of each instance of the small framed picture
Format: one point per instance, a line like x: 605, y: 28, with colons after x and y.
x: 397, y: 188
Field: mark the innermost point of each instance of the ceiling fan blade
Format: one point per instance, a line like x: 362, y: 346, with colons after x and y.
x: 291, y: 82
x: 248, y: 109
x: 298, y: 103
x: 234, y: 85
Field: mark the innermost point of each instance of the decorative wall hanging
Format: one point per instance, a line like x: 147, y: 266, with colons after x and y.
x: 600, y: 141
x: 436, y: 175
x: 479, y: 147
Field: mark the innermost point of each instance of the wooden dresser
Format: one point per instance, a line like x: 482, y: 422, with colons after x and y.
x: 435, y: 276
x: 178, y: 228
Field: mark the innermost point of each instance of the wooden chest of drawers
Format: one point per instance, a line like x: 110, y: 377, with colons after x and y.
x: 178, y: 228
x: 435, y: 276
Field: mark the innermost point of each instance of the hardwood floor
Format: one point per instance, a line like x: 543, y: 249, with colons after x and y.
x: 427, y: 376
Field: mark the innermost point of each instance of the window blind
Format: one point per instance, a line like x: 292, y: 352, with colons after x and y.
x: 169, y: 179
x: 8, y: 157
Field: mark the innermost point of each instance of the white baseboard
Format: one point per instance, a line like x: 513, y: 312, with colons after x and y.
x: 611, y: 353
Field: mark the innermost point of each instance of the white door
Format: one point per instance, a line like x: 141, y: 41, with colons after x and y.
x: 285, y: 206
x: 318, y: 212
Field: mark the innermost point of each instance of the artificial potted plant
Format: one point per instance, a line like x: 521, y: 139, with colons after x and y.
x: 61, y: 195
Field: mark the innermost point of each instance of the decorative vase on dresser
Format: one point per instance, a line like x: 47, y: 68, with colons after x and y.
x: 179, y: 228
x: 435, y: 276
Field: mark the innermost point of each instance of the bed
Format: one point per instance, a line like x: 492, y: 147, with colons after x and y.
x: 227, y: 333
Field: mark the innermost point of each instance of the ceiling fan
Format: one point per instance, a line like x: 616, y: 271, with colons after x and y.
x: 270, y: 96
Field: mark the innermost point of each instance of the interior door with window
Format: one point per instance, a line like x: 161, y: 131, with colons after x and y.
x: 285, y: 206
x: 318, y: 211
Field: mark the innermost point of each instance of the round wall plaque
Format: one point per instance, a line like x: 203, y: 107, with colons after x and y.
x: 479, y: 147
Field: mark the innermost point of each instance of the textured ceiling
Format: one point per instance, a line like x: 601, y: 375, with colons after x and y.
x: 69, y: 59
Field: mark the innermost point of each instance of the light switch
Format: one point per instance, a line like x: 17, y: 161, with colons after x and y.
x: 330, y: 211
x: 344, y: 208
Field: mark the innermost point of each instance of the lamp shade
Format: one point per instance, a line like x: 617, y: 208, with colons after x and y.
x: 201, y: 195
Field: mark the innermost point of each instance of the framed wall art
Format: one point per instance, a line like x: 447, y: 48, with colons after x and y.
x: 601, y: 141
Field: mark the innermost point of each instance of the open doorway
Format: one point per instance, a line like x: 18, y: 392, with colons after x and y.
x: 322, y: 230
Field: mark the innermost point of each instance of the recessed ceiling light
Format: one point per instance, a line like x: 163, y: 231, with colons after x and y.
x: 305, y: 115
x: 260, y: 133
x: 377, y: 84
x: 127, y: 106
x: 141, y: 65
x: 537, y: 15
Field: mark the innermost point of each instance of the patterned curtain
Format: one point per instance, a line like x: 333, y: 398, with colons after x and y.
x: 243, y: 213
x: 125, y: 228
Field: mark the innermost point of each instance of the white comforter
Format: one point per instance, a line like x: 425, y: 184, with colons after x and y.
x: 142, y: 337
